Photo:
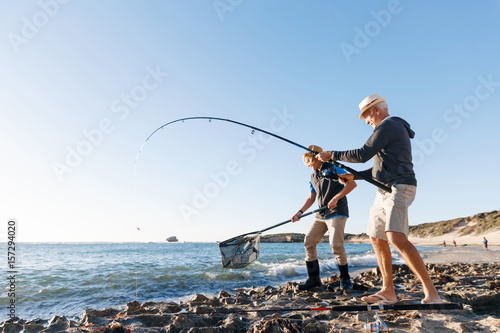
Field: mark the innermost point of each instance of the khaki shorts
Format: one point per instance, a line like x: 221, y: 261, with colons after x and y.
x: 390, y: 211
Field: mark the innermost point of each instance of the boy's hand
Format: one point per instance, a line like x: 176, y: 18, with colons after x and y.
x: 296, y: 217
x: 332, y: 203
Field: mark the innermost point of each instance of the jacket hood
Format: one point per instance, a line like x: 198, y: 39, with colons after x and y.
x: 411, y: 133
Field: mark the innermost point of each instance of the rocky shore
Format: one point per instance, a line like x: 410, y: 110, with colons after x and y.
x: 475, y: 285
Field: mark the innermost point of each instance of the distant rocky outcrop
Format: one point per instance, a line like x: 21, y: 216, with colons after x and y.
x: 299, y: 238
x: 283, y: 238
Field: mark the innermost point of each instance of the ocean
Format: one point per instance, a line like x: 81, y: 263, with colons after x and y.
x: 63, y: 279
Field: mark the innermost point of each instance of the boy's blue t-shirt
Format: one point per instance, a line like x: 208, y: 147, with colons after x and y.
x: 329, y: 187
x: 339, y: 171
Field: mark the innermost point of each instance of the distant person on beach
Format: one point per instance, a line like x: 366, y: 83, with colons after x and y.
x: 454, y: 244
x: 388, y: 223
x: 485, y: 244
x: 444, y: 243
x: 326, y: 188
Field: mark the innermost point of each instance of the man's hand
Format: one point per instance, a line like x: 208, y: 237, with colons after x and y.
x: 324, y: 156
x: 346, y: 178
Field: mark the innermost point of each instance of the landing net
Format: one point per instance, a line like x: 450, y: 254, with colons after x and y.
x: 239, y: 252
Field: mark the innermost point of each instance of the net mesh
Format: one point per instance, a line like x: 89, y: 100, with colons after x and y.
x: 239, y: 252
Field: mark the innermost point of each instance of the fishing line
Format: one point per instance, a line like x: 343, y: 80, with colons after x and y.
x: 253, y: 128
x: 135, y: 220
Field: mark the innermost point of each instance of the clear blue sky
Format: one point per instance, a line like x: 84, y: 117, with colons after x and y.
x: 83, y: 83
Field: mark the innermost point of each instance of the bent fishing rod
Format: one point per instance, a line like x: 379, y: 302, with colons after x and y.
x: 253, y: 128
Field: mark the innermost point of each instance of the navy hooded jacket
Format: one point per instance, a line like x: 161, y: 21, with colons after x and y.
x: 390, y: 146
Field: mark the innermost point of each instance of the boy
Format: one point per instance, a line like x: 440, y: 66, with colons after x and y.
x: 326, y: 188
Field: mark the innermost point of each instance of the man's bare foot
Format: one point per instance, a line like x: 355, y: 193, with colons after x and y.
x: 432, y: 300
x: 379, y: 298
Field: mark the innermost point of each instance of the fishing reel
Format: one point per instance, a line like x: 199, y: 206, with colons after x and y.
x: 330, y: 174
x: 376, y: 326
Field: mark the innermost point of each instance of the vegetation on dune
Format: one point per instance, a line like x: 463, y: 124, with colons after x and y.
x: 434, y: 229
x: 473, y: 225
x: 485, y: 223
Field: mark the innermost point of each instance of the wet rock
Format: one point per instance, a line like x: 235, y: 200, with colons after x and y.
x: 265, y: 290
x: 58, y: 323
x: 317, y: 327
x: 198, y: 298
x: 13, y: 325
x: 150, y: 320
x: 100, y: 313
x: 33, y: 326
x: 235, y: 323
x: 97, y: 317
x: 132, y: 307
x: 289, y: 287
x: 213, y: 301
x: 275, y: 325
x: 168, y: 307
x: 228, y: 301
x: 149, y: 308
x: 179, y: 323
x: 114, y: 327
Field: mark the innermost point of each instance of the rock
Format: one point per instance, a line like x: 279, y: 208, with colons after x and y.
x: 33, y: 326
x: 133, y: 307
x: 100, y: 313
x: 14, y: 325
x: 224, y: 294
x: 168, y: 307
x: 235, y: 323
x: 198, y: 298
x: 115, y: 327
x: 275, y: 325
x: 318, y: 327
x: 150, y: 320
x: 179, y: 323
x: 59, y: 322
x: 96, y: 317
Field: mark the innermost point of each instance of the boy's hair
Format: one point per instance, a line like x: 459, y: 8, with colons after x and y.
x: 310, y: 155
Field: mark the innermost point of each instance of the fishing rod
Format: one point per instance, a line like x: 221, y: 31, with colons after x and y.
x: 253, y: 128
x: 342, y: 308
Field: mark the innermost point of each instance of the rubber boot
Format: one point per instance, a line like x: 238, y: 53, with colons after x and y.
x: 345, y: 279
x: 313, y: 279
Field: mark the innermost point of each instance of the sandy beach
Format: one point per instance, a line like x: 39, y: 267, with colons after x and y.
x: 465, y: 275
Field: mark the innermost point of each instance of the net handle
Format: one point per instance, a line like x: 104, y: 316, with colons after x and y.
x: 290, y: 220
x: 272, y: 227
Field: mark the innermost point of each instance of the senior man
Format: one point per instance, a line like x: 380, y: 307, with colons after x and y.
x: 390, y: 146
